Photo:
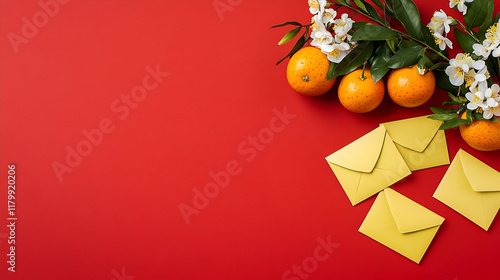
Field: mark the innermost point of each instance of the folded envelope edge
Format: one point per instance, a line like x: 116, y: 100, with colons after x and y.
x: 415, y: 147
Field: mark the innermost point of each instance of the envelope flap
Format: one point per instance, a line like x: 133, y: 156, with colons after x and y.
x: 362, y: 154
x: 414, y: 133
x: 481, y: 177
x: 409, y: 215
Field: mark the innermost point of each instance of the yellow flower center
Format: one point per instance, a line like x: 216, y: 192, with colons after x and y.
x: 335, y: 53
x: 492, y: 32
x: 313, y: 4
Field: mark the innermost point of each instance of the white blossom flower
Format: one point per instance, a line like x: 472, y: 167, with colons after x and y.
x: 492, y: 96
x: 458, y: 67
x: 316, y: 6
x: 329, y: 16
x: 316, y: 24
x: 336, y: 52
x: 476, y: 99
x: 321, y: 38
x: 490, y: 111
x: 343, y: 25
x: 442, y: 41
x: 440, y: 22
x: 481, y: 50
x: 460, y: 5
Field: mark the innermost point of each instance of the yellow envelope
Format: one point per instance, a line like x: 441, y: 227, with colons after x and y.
x: 420, y: 142
x: 368, y: 165
x: 471, y: 188
x: 401, y: 224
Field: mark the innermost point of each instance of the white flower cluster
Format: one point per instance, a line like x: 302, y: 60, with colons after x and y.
x: 460, y: 5
x: 491, y: 45
x: 474, y: 73
x: 335, y: 47
x: 439, y: 26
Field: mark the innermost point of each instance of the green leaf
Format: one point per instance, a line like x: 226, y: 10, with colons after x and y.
x: 443, y: 82
x: 331, y: 71
x: 481, y: 32
x: 452, y: 123
x: 497, y: 17
x: 360, y: 5
x: 373, y: 12
x: 476, y: 13
x: 479, y: 117
x: 378, y: 67
x: 286, y: 23
x: 379, y: 4
x: 464, y: 40
x: 442, y: 117
x: 438, y: 110
x: 404, y: 57
x: 440, y: 65
x: 429, y: 38
x: 468, y: 116
x: 407, y: 13
x: 407, y: 44
x: 359, y: 55
x: 451, y: 103
x: 359, y: 24
x: 289, y: 35
x: 392, y: 45
x: 370, y: 32
x: 299, y: 44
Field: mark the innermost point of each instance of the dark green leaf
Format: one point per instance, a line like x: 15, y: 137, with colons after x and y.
x: 331, y: 71
x: 373, y: 12
x: 404, y: 57
x: 299, y: 44
x: 465, y: 40
x: 407, y: 13
x: 373, y: 32
x: 438, y: 110
x: 359, y: 55
x: 429, y: 38
x: 442, y: 117
x: 497, y: 17
x: 468, y: 116
x: 440, y: 65
x: 479, y: 117
x: 407, y: 44
x: 289, y: 35
x: 453, y: 123
x: 443, y: 82
x: 378, y: 67
x: 487, y: 21
x: 379, y: 4
x: 476, y: 13
x: 287, y: 23
x: 451, y: 103
x: 360, y: 5
x: 359, y: 24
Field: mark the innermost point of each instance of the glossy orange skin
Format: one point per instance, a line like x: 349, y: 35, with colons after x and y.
x: 407, y: 88
x: 481, y: 135
x: 306, y: 72
x: 360, y: 96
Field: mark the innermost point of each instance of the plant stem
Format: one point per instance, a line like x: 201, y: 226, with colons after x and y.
x: 402, y: 34
x: 468, y: 31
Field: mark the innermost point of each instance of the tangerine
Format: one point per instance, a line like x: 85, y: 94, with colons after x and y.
x: 307, y: 70
x: 358, y: 92
x: 407, y: 88
x: 481, y: 135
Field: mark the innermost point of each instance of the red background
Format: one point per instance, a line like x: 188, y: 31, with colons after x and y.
x: 119, y: 208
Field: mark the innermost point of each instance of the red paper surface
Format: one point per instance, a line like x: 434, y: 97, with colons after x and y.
x: 224, y: 114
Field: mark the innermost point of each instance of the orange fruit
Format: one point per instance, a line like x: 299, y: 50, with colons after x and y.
x: 360, y: 95
x: 481, y: 135
x: 306, y: 72
x: 408, y: 88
